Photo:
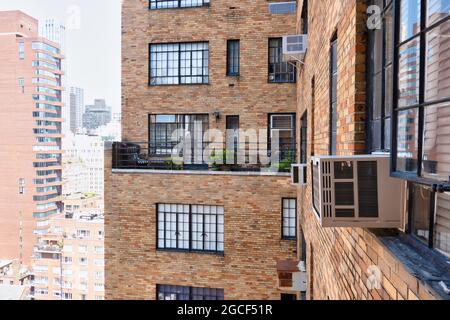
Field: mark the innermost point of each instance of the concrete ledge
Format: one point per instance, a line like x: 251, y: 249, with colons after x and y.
x: 203, y: 173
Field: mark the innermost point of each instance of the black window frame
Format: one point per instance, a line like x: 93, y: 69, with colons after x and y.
x: 283, y: 235
x: 421, y: 36
x: 205, y: 3
x: 233, y: 62
x: 154, y: 146
x: 304, y: 17
x: 190, y: 231
x: 215, y: 294
x: 333, y: 107
x: 285, y: 150
x: 381, y: 132
x: 304, y: 138
x: 179, y: 67
x: 275, y: 61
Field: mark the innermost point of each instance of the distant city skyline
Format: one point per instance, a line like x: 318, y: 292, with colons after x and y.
x: 91, y: 27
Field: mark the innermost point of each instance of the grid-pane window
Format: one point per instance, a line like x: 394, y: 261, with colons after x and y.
x: 422, y: 104
x: 380, y: 95
x: 283, y: 126
x: 289, y: 218
x: 429, y: 213
x: 333, y: 96
x: 21, y: 50
x: 233, y: 57
x: 168, y: 4
x: 169, y: 292
x: 279, y: 71
x: 179, y: 63
x: 167, y: 131
x: 191, y: 227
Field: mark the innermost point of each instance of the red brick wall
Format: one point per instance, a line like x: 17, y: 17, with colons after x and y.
x: 338, y: 259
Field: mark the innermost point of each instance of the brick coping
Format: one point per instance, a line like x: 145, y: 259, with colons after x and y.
x: 203, y: 172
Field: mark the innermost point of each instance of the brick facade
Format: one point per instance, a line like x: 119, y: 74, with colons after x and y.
x: 252, y: 203
x: 339, y: 260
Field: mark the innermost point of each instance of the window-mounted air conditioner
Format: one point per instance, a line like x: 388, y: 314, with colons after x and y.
x: 294, y: 47
x: 283, y: 7
x: 357, y: 191
x: 299, y: 174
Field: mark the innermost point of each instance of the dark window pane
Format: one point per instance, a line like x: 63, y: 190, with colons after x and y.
x: 407, y: 133
x: 436, y: 145
x: 233, y: 56
x: 408, y: 77
x: 437, y: 81
x: 420, y: 211
x: 442, y: 225
x: 409, y: 19
x: 279, y: 71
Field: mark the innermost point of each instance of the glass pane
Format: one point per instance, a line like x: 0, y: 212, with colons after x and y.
x: 408, y: 77
x: 407, y: 133
x: 436, y: 146
x: 388, y: 91
x: 437, y: 84
x: 409, y: 19
x: 420, y: 212
x: 442, y: 225
x: 388, y: 35
x: 437, y: 10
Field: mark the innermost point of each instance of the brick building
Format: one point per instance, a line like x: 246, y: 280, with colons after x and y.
x: 30, y: 131
x: 360, y: 92
x: 200, y: 230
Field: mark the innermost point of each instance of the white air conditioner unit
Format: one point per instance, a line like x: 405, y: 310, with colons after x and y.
x: 299, y: 174
x: 294, y: 47
x: 299, y: 281
x: 357, y: 191
x: 283, y: 7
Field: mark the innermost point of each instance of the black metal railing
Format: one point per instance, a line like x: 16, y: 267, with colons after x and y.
x: 249, y: 157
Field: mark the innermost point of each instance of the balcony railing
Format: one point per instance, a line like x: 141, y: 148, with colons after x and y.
x: 247, y: 158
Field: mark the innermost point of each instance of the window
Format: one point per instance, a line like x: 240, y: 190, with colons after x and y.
x: 67, y: 296
x: 422, y: 100
x: 22, y: 85
x: 288, y: 296
x: 162, y: 128
x: 283, y: 125
x: 379, y: 84
x: 83, y: 261
x: 233, y: 58
x: 168, y: 4
x: 290, y: 219
x: 179, y: 63
x: 67, y: 260
x: 21, y: 50
x: 190, y: 227
x: 279, y: 71
x: 304, y: 17
x: 82, y: 249
x: 83, y: 234
x: 429, y: 214
x: 168, y: 292
x: 333, y: 96
x: 304, y: 138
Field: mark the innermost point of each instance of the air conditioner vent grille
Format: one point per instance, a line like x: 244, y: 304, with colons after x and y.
x: 327, y: 190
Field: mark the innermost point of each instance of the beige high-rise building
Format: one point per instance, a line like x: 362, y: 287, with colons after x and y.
x: 30, y: 134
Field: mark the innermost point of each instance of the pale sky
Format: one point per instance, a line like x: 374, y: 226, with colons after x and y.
x: 93, y: 33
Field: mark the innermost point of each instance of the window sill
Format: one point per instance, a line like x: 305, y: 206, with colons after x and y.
x: 178, y: 85
x: 211, y: 253
x: 207, y: 5
x: 429, y: 266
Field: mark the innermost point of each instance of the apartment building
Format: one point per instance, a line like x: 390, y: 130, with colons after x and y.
x: 374, y: 108
x: 30, y: 133
x: 201, y: 228
x: 69, y: 260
